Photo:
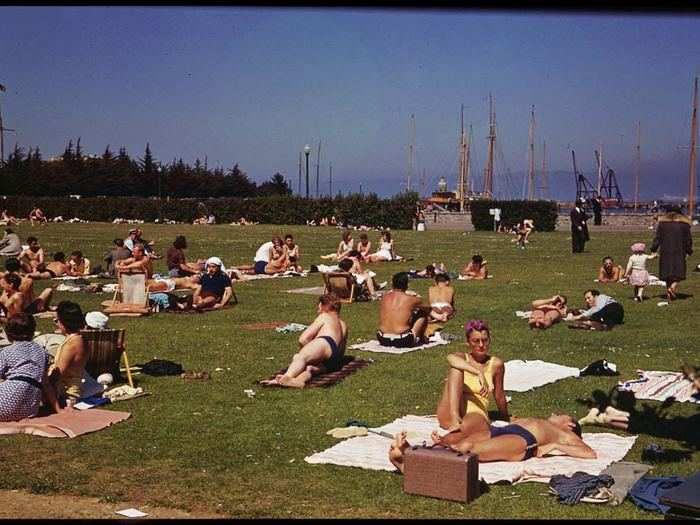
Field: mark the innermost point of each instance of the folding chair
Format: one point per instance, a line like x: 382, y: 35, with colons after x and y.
x: 342, y: 284
x: 105, y: 349
x: 133, y: 294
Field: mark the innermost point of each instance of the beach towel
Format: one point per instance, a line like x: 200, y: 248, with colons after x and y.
x: 659, y: 386
x: 374, y: 346
x: 288, y: 273
x: 313, y: 290
x: 521, y: 376
x: 350, y: 366
x: 69, y: 424
x: 74, y: 277
x: 372, y: 452
x: 523, y: 314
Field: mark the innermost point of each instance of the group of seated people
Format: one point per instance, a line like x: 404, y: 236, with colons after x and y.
x: 31, y: 377
x: 272, y: 257
x: 347, y: 245
x: 37, y: 215
x: 403, y: 319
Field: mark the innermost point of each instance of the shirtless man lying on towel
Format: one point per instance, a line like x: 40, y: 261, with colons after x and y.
x: 523, y: 439
x: 322, y: 346
x: 402, y: 318
x: 169, y: 284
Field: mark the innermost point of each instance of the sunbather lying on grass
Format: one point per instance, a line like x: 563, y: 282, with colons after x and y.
x: 523, y: 439
x: 322, y: 346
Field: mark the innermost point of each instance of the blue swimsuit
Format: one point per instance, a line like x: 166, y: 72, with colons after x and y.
x: 335, y: 362
x: 517, y: 430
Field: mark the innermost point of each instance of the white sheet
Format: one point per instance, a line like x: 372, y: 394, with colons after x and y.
x: 521, y: 376
x: 372, y: 452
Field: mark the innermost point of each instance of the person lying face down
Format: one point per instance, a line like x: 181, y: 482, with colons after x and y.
x: 609, y: 272
x: 523, y: 439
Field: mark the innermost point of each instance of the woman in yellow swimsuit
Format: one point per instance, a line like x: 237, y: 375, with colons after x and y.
x: 471, y: 379
x: 66, y: 372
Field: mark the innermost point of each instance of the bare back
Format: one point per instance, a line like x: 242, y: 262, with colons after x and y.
x: 441, y: 294
x: 334, y: 327
x: 395, y: 311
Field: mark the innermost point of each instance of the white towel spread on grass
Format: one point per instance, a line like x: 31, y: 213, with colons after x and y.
x: 659, y: 386
x: 374, y: 346
x: 74, y: 277
x: 372, y: 452
x: 523, y: 314
x: 521, y: 376
x: 289, y: 273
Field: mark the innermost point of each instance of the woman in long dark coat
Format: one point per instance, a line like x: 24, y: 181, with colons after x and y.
x: 675, y: 242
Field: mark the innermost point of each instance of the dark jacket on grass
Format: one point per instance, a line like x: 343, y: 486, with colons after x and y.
x: 674, y: 241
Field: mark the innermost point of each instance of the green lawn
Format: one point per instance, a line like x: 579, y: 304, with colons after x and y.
x: 206, y: 445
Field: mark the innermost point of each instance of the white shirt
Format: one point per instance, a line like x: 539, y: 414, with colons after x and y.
x: 263, y: 253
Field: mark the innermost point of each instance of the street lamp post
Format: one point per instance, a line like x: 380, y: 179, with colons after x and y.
x: 307, y: 150
x: 160, y: 195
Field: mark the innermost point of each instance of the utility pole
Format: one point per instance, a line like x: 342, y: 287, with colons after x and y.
x: 307, y: 150
x: 2, y: 136
x: 639, y: 167
x: 467, y: 158
x: 531, y: 155
x: 318, y: 167
x: 330, y: 180
x: 693, y: 152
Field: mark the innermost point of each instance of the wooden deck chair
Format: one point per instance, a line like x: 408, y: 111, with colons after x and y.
x: 105, y: 349
x: 133, y: 296
x: 342, y: 284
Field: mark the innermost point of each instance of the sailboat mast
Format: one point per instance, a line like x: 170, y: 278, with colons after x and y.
x: 693, y: 152
x: 545, y: 183
x: 531, y: 155
x: 639, y: 166
x: 488, y: 175
x: 411, y: 153
x: 462, y: 160
x: 467, y: 159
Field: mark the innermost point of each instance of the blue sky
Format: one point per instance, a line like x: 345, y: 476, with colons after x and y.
x: 253, y: 85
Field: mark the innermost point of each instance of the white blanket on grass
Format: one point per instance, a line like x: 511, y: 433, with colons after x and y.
x: 521, y: 376
x: 372, y: 452
x: 374, y: 346
x: 659, y: 386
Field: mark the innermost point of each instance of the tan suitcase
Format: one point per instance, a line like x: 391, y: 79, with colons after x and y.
x: 439, y: 472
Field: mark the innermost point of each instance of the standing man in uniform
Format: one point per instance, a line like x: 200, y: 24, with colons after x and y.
x: 579, y: 228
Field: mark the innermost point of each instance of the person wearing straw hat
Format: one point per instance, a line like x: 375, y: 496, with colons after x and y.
x: 636, y: 272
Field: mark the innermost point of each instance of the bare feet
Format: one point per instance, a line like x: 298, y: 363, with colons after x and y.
x: 291, y: 382
x: 397, y: 449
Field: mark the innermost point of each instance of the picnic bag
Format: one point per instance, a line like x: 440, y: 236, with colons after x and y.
x: 439, y: 472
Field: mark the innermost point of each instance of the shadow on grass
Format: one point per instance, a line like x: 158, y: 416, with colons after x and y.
x: 652, y: 420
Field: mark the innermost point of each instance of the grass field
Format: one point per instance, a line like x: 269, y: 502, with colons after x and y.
x: 207, y: 446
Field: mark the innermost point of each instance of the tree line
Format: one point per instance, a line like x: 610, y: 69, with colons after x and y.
x: 27, y: 173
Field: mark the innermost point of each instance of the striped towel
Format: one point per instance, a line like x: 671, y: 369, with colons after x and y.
x: 659, y: 386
